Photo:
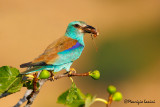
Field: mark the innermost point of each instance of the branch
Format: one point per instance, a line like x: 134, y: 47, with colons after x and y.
x: 70, y: 75
x: 30, y: 95
x: 22, y: 100
x: 4, y: 95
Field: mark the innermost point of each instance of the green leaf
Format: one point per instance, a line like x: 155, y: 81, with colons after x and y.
x: 10, y: 80
x: 72, y: 97
x: 89, y: 100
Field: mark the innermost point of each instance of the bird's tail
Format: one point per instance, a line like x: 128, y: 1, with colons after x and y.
x: 29, y: 64
x: 34, y: 69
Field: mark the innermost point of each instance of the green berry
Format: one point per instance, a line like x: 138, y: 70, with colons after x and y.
x: 95, y: 74
x: 117, y: 96
x: 44, y: 74
x: 111, y: 89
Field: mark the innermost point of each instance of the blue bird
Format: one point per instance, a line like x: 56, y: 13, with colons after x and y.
x: 63, y: 52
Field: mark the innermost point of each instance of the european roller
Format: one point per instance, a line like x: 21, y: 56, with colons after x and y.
x: 62, y: 52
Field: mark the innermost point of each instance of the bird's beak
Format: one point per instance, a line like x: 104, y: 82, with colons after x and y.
x: 90, y: 29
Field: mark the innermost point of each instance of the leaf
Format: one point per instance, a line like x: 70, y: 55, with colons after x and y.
x: 72, y: 97
x: 10, y: 80
x: 89, y: 100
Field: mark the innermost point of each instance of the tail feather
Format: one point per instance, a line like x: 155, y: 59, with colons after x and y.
x: 34, y: 69
x: 29, y: 64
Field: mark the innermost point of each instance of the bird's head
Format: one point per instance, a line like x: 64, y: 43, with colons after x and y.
x: 77, y: 29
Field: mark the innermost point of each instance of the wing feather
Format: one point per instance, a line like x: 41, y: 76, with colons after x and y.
x: 50, y: 54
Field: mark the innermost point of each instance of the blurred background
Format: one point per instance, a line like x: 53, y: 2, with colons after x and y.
x: 128, y: 46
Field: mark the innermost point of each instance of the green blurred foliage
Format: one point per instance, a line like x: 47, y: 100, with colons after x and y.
x: 124, y: 56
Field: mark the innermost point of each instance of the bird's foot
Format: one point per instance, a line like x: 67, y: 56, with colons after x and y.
x: 51, y: 78
x: 71, y: 71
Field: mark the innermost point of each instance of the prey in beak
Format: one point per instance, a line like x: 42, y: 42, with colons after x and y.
x: 87, y: 29
x: 93, y: 31
x: 90, y: 29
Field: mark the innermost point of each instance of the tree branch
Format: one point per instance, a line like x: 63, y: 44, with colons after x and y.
x: 30, y: 95
x: 22, y: 100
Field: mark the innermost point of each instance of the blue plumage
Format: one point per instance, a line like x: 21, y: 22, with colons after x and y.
x: 75, y: 46
x: 70, y: 55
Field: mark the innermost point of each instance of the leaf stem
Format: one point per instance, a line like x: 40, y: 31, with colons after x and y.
x: 101, y: 100
x: 71, y: 79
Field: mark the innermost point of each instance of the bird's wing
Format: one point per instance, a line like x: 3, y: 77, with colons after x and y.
x: 50, y: 54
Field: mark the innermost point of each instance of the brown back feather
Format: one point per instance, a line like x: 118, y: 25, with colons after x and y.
x: 50, y: 54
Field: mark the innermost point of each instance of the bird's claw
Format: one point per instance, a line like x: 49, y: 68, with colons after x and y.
x: 71, y: 71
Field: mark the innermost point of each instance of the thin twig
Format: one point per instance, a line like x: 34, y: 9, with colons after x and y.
x: 109, y: 101
x: 70, y: 75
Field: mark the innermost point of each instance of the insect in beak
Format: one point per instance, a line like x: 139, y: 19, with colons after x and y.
x: 93, y: 31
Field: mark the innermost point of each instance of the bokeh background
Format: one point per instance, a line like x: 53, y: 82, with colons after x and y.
x: 128, y: 46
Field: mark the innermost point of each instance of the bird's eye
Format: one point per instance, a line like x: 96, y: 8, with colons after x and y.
x: 76, y: 25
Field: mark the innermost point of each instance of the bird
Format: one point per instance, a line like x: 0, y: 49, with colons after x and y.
x: 63, y: 52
